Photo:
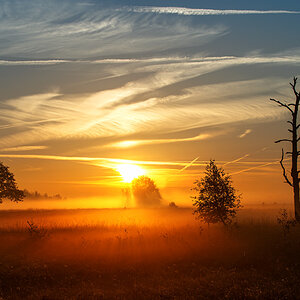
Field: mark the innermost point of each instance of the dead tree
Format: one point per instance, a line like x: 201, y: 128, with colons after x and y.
x: 294, y: 182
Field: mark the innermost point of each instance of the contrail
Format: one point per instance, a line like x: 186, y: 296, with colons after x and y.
x: 188, y: 165
x: 257, y: 167
x: 204, y: 12
x: 236, y: 160
x: 32, y: 62
x: 246, y: 155
x: 261, y: 166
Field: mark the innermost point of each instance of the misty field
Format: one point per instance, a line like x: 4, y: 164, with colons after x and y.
x: 146, y: 254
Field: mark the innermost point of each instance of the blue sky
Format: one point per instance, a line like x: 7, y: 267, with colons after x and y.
x: 80, y: 79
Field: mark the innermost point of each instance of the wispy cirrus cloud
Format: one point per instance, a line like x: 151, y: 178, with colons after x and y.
x: 138, y: 107
x: 134, y: 143
x: 56, y: 30
x: 204, y: 12
x: 23, y: 148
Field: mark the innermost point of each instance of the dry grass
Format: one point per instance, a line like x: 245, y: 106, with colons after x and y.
x: 138, y: 254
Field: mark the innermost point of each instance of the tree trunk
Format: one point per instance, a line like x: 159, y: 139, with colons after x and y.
x: 294, y: 173
x: 294, y: 141
x: 296, y: 202
x: 294, y: 170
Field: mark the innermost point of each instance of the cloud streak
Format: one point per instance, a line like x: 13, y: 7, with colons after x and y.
x: 31, y: 62
x: 134, y: 143
x: 23, y: 148
x: 162, y: 61
x: 204, y: 12
x: 97, y: 161
x: 246, y: 132
x: 156, y: 166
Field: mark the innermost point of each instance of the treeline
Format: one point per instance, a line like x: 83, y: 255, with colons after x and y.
x: 38, y: 196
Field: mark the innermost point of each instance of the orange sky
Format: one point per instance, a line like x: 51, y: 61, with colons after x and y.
x: 85, y: 88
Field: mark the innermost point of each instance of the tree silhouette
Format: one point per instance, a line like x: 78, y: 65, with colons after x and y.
x: 217, y: 200
x: 145, y: 192
x: 293, y: 110
x: 8, y: 186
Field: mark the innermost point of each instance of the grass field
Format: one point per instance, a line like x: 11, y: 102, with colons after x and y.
x: 146, y: 254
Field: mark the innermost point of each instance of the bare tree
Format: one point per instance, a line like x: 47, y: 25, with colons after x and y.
x: 294, y: 182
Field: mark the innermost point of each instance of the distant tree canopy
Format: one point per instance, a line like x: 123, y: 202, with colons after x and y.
x: 8, y: 186
x: 145, y: 192
x: 38, y: 196
x: 217, y: 200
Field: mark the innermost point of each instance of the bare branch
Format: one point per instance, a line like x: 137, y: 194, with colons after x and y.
x: 283, y: 169
x: 291, y: 153
x: 290, y: 130
x: 290, y: 122
x: 282, y: 104
x: 293, y: 85
x: 283, y: 140
x: 291, y: 104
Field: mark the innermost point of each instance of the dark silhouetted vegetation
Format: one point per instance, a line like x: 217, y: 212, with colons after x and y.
x: 285, y: 222
x: 293, y: 140
x: 36, y: 231
x: 8, y: 186
x: 217, y: 199
x: 173, y: 205
x: 145, y: 192
x: 38, y: 196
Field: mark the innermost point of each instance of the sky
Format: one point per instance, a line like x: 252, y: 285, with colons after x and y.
x: 87, y: 86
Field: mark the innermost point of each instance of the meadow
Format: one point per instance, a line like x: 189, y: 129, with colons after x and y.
x: 146, y: 254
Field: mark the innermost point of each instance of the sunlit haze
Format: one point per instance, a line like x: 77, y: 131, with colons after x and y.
x: 95, y: 93
x: 130, y: 172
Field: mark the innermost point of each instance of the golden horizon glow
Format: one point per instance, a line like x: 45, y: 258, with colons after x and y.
x: 130, y: 172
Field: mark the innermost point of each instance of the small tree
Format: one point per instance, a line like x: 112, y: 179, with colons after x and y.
x: 217, y: 200
x: 145, y: 192
x: 8, y: 186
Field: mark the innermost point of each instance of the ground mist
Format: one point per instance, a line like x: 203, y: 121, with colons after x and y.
x: 146, y: 254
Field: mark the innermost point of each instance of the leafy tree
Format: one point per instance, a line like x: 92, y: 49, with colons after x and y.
x: 8, y: 186
x: 217, y: 200
x: 145, y: 192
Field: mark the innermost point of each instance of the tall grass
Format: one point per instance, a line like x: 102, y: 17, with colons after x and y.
x: 151, y: 244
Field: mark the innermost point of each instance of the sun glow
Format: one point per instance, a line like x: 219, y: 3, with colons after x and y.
x: 130, y: 172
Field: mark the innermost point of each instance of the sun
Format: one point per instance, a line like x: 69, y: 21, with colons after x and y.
x: 130, y: 172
